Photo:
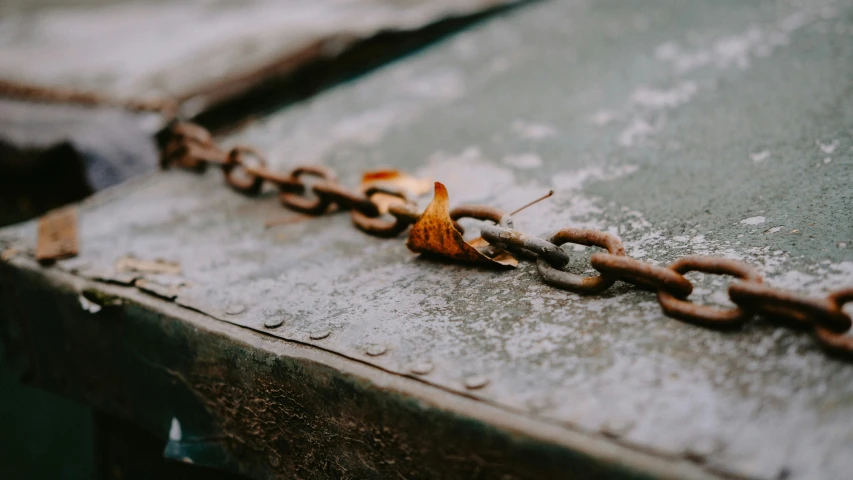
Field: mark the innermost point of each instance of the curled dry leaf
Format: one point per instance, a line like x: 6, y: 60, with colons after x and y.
x: 394, y: 179
x: 435, y: 234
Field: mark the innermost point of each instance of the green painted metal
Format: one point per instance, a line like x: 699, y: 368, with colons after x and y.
x: 711, y: 127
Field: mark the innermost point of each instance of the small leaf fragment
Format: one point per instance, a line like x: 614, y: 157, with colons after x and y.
x: 395, y: 179
x: 412, y: 185
x: 435, y: 234
x: 503, y: 257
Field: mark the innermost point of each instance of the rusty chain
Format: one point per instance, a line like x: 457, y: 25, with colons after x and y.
x: 192, y: 147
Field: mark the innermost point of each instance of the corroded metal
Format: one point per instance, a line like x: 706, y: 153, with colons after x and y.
x: 702, y: 314
x: 57, y: 235
x: 662, y: 132
x: 301, y: 203
x: 641, y: 273
x: 373, y: 224
x: 561, y: 278
x: 239, y: 174
x: 551, y: 261
x: 822, y: 312
x: 524, y: 244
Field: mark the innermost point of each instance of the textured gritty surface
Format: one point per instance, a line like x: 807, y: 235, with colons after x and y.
x: 714, y: 128
x: 175, y: 49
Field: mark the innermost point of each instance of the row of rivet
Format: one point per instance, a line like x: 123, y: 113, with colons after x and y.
x: 472, y: 382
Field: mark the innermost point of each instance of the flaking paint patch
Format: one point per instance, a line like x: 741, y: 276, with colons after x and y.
x: 533, y: 130
x: 654, y: 98
x: 523, y: 160
x: 757, y: 220
x: 575, y: 180
x: 644, y: 113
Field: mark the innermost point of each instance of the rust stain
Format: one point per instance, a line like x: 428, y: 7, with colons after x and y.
x: 57, y: 235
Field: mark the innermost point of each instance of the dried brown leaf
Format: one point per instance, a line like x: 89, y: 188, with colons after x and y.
x: 435, y: 234
x: 57, y: 235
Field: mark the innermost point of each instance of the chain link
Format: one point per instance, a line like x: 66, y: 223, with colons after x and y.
x: 192, y: 147
x: 377, y: 226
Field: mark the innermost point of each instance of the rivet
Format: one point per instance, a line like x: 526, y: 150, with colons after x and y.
x: 421, y: 368
x: 235, y: 309
x: 616, y: 427
x: 376, y: 350
x: 274, y: 322
x: 476, y: 381
x: 319, y: 334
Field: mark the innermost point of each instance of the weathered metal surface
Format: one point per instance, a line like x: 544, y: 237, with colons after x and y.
x: 194, y: 51
x: 706, y: 128
x: 230, y: 398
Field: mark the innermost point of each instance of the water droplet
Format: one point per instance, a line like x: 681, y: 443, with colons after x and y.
x: 274, y: 322
x: 476, y: 381
x: 235, y: 309
x: 376, y: 350
x: 319, y: 334
x: 421, y: 368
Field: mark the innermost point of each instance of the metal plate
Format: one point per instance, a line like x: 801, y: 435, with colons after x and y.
x: 708, y: 128
x: 198, y: 50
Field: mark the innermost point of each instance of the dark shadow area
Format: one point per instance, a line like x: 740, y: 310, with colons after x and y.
x: 125, y: 451
x: 43, y: 435
x: 312, y: 78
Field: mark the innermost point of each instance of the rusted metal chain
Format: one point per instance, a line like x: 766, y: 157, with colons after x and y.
x: 192, y: 147
x: 642, y: 274
x: 377, y: 226
x: 704, y: 315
